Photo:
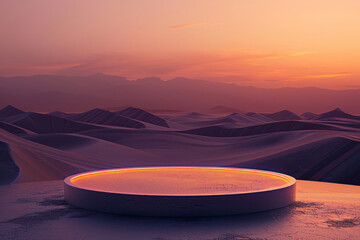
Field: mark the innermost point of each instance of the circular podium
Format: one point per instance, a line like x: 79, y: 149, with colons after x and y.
x: 180, y: 191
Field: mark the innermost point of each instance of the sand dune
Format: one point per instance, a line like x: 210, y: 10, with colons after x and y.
x: 104, y: 151
x: 297, y: 153
x: 60, y: 114
x: 9, y: 111
x: 194, y: 119
x: 254, y: 119
x: 322, y: 160
x: 42, y: 123
x: 63, y: 155
x: 191, y: 117
x: 8, y: 168
x: 141, y: 115
x: 99, y: 116
x: 284, y: 126
x: 259, y: 116
x: 46, y: 147
x: 12, y: 129
x: 223, y: 121
x: 61, y: 141
x: 282, y: 115
x: 38, y: 162
x: 224, y: 110
x: 337, y: 113
x: 308, y: 115
x: 232, y: 120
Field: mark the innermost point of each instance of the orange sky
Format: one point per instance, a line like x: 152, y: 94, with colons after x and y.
x: 265, y: 43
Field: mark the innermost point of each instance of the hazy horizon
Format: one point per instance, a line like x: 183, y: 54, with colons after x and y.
x: 177, y: 77
x: 79, y: 93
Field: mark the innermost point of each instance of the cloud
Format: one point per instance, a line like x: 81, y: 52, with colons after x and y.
x: 282, y: 55
x: 13, y: 70
x: 190, y: 25
x: 270, y: 57
x: 329, y: 75
x: 272, y: 80
x: 301, y: 53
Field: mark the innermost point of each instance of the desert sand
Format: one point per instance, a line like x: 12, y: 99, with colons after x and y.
x: 47, y: 147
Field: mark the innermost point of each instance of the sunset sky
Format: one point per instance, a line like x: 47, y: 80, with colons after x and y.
x: 264, y: 43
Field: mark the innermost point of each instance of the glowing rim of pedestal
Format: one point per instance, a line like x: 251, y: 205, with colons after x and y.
x: 180, y: 204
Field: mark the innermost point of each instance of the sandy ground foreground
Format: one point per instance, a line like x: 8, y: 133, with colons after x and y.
x: 38, y: 211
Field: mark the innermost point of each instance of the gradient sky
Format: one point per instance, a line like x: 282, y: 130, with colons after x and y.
x: 264, y: 43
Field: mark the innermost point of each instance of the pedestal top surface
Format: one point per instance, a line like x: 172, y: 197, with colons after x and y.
x: 180, y: 181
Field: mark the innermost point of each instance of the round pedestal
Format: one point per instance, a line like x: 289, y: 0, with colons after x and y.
x: 180, y: 191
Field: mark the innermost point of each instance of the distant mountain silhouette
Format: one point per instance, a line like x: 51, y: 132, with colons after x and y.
x: 78, y: 93
x: 337, y: 113
x: 141, y: 115
x: 9, y: 111
x: 282, y: 115
x: 150, y: 80
x: 99, y: 116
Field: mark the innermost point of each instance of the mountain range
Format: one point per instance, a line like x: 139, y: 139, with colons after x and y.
x: 43, y: 93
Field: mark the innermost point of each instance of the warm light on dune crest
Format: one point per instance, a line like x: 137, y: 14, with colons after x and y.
x: 261, y: 43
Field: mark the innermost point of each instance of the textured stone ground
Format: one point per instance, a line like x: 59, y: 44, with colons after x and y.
x: 38, y: 211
